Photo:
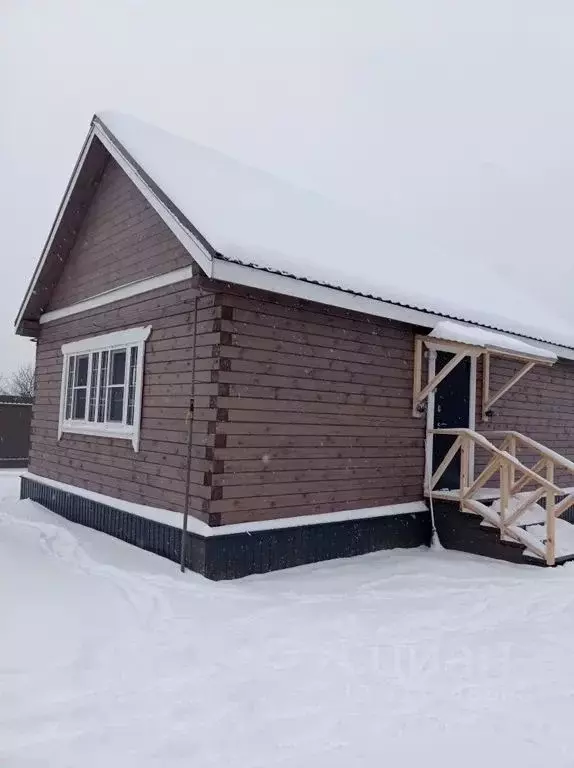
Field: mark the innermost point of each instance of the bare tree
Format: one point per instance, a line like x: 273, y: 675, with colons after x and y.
x: 22, y: 382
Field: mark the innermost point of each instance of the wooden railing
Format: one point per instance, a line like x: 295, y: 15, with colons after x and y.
x: 514, y: 477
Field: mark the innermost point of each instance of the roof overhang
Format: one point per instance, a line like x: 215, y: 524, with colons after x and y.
x: 288, y: 285
x: 99, y: 145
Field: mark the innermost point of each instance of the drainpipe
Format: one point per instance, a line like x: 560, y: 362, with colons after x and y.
x: 189, y: 420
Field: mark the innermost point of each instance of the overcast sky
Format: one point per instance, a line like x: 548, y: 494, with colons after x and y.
x: 455, y: 115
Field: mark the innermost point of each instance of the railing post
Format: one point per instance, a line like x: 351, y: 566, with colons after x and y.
x: 512, y: 452
x: 464, y: 465
x: 550, y: 518
x: 504, y: 494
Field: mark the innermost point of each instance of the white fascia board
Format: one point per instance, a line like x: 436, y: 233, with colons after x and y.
x: 253, y: 277
x: 195, y: 526
x: 192, y: 245
x: 119, y: 294
x: 56, y: 224
x: 107, y: 341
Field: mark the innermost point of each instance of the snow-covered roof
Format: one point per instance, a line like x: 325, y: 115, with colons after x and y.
x: 487, y: 339
x: 238, y: 215
x: 251, y: 217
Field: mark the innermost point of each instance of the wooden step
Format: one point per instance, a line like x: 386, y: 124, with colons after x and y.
x: 483, y: 494
x: 463, y: 532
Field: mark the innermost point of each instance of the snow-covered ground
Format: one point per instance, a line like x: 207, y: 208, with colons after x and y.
x: 110, y: 657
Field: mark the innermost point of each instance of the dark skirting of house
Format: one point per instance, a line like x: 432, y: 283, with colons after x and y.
x: 233, y: 555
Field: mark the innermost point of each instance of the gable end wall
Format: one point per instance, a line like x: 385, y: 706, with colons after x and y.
x: 122, y: 239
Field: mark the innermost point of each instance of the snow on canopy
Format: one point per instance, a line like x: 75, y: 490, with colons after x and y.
x: 481, y: 337
x: 251, y: 217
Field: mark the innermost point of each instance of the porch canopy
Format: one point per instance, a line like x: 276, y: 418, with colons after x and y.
x: 467, y: 340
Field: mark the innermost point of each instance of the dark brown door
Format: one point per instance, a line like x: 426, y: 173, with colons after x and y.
x: 451, y: 409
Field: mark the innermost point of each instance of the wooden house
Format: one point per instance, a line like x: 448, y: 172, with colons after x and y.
x: 242, y: 376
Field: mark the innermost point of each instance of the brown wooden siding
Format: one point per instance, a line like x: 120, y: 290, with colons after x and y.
x: 121, y: 240
x: 313, y: 411
x: 156, y: 474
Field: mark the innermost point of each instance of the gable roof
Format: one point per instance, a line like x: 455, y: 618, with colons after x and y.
x: 245, y: 226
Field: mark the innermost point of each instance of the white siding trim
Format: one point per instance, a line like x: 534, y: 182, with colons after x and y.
x: 62, y: 409
x: 107, y: 340
x: 102, y: 431
x: 119, y: 294
x: 388, y: 510
x: 197, y: 251
x: 200, y: 528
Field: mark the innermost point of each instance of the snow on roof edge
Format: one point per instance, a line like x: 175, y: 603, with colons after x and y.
x: 480, y: 337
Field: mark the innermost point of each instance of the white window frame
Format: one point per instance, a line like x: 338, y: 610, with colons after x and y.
x: 108, y: 342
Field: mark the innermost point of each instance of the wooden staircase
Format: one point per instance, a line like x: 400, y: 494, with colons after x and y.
x: 524, y: 511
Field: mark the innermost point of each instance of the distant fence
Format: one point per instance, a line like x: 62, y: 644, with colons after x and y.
x: 15, y: 418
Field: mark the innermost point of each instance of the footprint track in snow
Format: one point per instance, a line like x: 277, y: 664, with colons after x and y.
x: 145, y: 598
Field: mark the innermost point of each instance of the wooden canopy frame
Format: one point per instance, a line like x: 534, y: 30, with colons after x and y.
x: 460, y: 351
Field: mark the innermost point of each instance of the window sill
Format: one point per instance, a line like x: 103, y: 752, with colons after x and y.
x: 118, y: 433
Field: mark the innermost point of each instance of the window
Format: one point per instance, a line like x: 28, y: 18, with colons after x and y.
x: 102, y: 385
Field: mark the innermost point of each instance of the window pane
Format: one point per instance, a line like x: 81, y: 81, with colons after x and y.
x: 79, y: 408
x: 100, y: 386
x: 94, y: 386
x: 82, y: 371
x: 115, y: 403
x: 103, y: 386
x: 71, y: 366
x: 132, y: 384
x: 118, y: 367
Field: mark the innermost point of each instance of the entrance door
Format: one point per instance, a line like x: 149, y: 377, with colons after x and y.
x: 451, y: 409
